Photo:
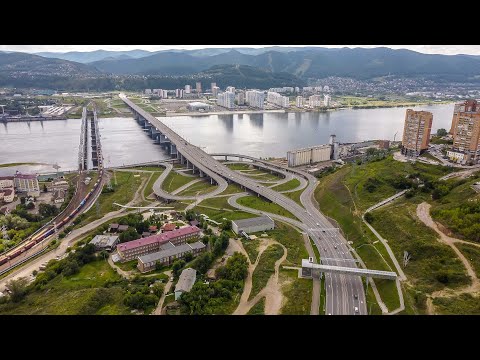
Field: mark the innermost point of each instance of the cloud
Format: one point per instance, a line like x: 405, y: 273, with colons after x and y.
x: 428, y: 49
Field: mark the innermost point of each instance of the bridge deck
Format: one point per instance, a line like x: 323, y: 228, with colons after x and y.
x: 390, y: 275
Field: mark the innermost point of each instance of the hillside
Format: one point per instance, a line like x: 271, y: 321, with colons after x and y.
x: 357, y: 63
x: 90, y: 56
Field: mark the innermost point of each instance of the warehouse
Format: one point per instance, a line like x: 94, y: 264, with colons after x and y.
x: 252, y: 225
x: 309, y: 155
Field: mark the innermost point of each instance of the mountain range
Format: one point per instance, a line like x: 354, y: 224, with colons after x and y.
x: 265, y: 67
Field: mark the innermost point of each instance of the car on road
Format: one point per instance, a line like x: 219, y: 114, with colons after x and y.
x: 355, y: 296
x: 335, y: 246
x: 356, y: 309
x: 324, y: 249
x: 318, y: 224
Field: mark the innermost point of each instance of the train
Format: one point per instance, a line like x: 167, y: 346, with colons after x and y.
x: 50, y: 229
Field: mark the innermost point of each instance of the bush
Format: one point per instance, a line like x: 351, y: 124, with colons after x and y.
x: 369, y: 217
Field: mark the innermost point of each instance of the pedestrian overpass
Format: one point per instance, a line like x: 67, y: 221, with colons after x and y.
x: 310, y: 269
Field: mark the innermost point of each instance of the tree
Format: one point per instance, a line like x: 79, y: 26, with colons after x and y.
x: 226, y: 225
x: 45, y: 188
x: 30, y: 206
x: 369, y: 218
x: 47, y: 210
x: 442, y: 132
x: 188, y: 257
x: 236, y: 268
x: 129, y: 235
x: 18, y: 289
x: 177, y: 267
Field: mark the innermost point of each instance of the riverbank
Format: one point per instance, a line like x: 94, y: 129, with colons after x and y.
x: 226, y: 112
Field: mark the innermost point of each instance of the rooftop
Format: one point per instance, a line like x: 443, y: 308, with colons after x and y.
x: 159, y: 238
x: 261, y: 220
x: 6, y: 177
x: 25, y: 176
x: 186, y: 280
x: 104, y: 240
x: 172, y: 250
x: 169, y: 227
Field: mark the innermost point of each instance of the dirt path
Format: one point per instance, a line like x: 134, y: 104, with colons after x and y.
x: 158, y: 310
x: 271, y: 291
x: 423, y: 213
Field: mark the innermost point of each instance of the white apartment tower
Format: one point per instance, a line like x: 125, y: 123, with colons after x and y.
x: 255, y: 98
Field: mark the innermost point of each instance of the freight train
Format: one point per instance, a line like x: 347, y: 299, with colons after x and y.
x: 50, y: 229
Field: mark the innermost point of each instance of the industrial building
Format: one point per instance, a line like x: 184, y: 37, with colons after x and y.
x: 168, y: 255
x: 309, y: 155
x: 105, y: 242
x: 198, y: 106
x: 252, y: 225
x: 133, y: 249
x: 27, y: 183
x: 466, y: 133
x: 185, y: 282
x: 416, y: 132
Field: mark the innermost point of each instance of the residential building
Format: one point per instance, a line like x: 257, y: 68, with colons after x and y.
x: 163, y: 94
x: 168, y: 227
x: 6, y: 182
x: 105, y: 242
x: 326, y: 100
x: 185, y: 282
x: 198, y: 87
x: 212, y: 86
x: 133, y: 249
x: 297, y: 89
x: 307, y: 89
x: 215, y: 91
x: 230, y: 89
x: 188, y: 89
x: 168, y: 255
x: 252, y: 225
x: 315, y: 101
x: 226, y: 99
x: 299, y: 101
x: 7, y: 195
x: 117, y: 228
x: 309, y: 155
x: 466, y: 138
x: 416, y: 132
x: 326, y: 88
x: 467, y: 108
x: 255, y: 99
x: 27, y: 183
x: 277, y: 99
x: 179, y: 93
x: 241, y: 98
x: 148, y: 91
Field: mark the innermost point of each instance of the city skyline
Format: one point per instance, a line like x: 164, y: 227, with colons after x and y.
x: 427, y: 49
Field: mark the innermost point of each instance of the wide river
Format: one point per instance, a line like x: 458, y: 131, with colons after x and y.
x: 261, y: 135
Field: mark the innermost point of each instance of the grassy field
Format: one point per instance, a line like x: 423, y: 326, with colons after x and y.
x: 222, y: 204
x: 149, y: 188
x: 232, y: 189
x: 174, y: 180
x: 258, y: 308
x: 433, y: 266
x: 127, y: 185
x: 261, y: 175
x: 69, y: 295
x: 359, y: 101
x: 17, y: 164
x: 293, y: 242
x: 295, y: 196
x: 255, y: 202
x: 428, y: 156
x: 251, y: 247
x: 292, y: 184
x: 464, y: 304
x: 297, y: 293
x: 148, y: 168
x: 472, y: 253
x: 265, y: 268
x: 199, y: 188
x: 238, y: 166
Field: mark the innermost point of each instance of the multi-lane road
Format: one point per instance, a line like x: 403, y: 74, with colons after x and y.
x: 343, y: 293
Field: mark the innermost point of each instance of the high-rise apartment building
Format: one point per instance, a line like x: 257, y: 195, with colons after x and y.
x: 466, y: 133
x: 315, y: 100
x: 215, y: 91
x: 230, y: 89
x: 277, y: 99
x: 213, y: 85
x: 198, y: 87
x: 241, y: 98
x: 326, y: 100
x: 226, y: 99
x: 179, y: 93
x: 416, y: 132
x: 255, y: 98
x: 299, y: 101
x: 188, y: 89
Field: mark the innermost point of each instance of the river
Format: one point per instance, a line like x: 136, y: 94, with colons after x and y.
x: 261, y: 135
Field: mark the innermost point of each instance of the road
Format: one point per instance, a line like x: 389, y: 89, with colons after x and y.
x: 331, y: 244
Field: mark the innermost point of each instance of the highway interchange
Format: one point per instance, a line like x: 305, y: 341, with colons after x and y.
x: 344, y: 294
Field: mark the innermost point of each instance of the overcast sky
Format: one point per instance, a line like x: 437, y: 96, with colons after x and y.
x: 429, y: 49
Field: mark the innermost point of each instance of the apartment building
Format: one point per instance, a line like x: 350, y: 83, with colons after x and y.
x: 416, y: 132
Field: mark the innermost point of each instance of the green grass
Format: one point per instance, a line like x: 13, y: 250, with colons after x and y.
x: 17, y: 164
x: 372, y: 306
x: 292, y: 184
x: 232, y: 189
x: 238, y: 166
x: 258, y: 308
x: 174, y: 180
x: 265, y: 175
x: 222, y: 204
x: 149, y: 188
x: 464, y: 304
x: 251, y: 247
x: 293, y: 242
x: 472, y: 253
x: 255, y: 202
x: 127, y: 185
x: 433, y: 265
x: 199, y: 188
x: 265, y: 268
x: 315, y: 250
x: 429, y: 156
x: 295, y: 196
x: 128, y: 265
x: 297, y: 293
x: 68, y: 295
x: 438, y: 141
x: 148, y: 168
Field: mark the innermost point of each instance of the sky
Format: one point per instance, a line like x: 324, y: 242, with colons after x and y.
x: 427, y: 49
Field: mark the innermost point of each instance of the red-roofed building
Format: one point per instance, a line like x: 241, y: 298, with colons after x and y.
x: 168, y: 227
x: 7, y: 195
x: 153, y: 228
x: 133, y: 249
